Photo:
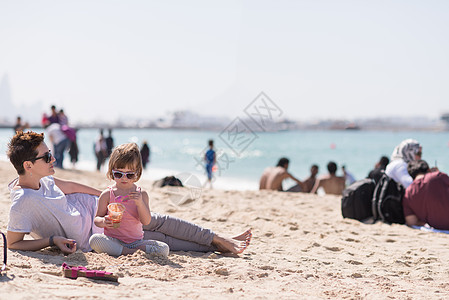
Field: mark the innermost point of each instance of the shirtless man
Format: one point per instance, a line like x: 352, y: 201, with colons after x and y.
x: 331, y: 183
x: 308, y: 183
x: 272, y: 177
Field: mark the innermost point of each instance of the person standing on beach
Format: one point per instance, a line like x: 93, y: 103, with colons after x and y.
x: 100, y: 149
x: 331, y: 183
x: 109, y: 142
x: 59, y: 141
x: 125, y: 168
x: 272, y: 177
x: 60, y: 213
x: 53, y: 118
x: 19, y: 126
x: 145, y: 152
x: 210, y: 158
x: 63, y: 119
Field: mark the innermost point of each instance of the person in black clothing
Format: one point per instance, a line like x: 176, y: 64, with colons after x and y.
x: 109, y: 142
x: 145, y: 153
x: 379, y: 169
x: 73, y: 152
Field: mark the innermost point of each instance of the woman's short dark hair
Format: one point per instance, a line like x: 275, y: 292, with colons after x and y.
x: 22, y: 147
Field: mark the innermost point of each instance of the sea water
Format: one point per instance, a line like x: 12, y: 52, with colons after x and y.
x: 240, y: 163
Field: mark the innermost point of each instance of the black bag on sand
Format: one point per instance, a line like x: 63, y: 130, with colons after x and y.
x: 356, y: 200
x: 168, y: 180
x: 387, y: 201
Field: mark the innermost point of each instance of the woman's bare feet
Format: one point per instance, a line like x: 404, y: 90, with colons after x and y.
x: 245, y: 236
x: 234, y: 245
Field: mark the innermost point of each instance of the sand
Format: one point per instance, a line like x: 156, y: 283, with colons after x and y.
x: 302, y: 248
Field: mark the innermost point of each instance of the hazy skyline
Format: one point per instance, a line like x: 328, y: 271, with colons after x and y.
x: 315, y: 59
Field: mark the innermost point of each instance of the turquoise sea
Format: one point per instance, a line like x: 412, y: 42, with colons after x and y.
x: 241, y: 159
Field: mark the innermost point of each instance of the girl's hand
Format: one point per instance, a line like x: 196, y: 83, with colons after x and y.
x: 136, y: 197
x: 107, y: 222
x: 67, y: 246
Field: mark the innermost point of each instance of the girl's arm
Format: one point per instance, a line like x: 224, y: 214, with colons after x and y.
x: 143, y: 207
x: 70, y: 187
x: 100, y: 219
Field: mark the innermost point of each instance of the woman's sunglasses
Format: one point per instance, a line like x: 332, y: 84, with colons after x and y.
x: 47, y: 157
x: 118, y: 174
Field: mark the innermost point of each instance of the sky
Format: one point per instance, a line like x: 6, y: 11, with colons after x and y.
x: 317, y: 59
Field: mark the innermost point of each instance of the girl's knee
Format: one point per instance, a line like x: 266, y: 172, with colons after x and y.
x: 102, y: 244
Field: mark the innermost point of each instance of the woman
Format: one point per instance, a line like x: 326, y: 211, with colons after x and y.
x: 407, y: 151
x: 59, y: 212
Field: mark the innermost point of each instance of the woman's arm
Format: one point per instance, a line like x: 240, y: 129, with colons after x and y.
x: 16, y: 242
x: 70, y: 187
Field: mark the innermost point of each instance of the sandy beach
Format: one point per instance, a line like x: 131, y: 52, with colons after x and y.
x: 301, y: 249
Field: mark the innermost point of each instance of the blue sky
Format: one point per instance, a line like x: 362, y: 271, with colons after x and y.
x: 315, y: 59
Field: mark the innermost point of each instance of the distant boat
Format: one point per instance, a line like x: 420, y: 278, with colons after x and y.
x: 352, y: 126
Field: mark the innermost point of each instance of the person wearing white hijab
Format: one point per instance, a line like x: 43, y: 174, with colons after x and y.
x: 407, y: 151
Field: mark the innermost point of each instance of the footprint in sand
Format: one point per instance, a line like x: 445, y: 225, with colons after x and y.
x: 354, y: 262
x: 356, y: 275
x: 334, y: 249
x: 222, y: 271
x: 352, y: 240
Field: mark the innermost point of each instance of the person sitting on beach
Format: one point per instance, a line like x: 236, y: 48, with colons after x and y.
x: 407, y: 151
x: 125, y: 168
x: 59, y: 212
x: 379, y: 169
x: 331, y: 183
x: 426, y: 200
x: 307, y: 183
x: 350, y: 179
x: 272, y: 177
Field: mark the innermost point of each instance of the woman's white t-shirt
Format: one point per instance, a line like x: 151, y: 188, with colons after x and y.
x: 48, y: 211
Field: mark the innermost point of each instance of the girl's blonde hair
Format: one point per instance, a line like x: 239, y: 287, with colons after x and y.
x: 125, y: 156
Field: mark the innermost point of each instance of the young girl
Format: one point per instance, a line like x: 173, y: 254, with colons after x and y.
x: 125, y: 168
